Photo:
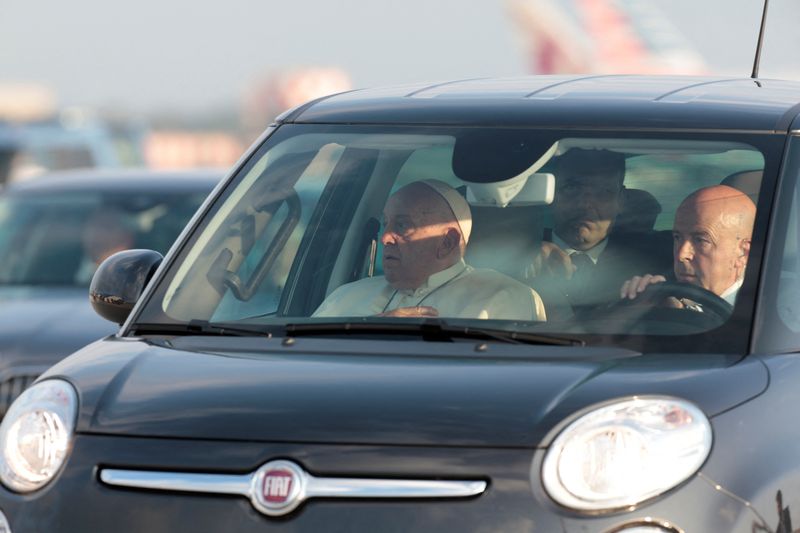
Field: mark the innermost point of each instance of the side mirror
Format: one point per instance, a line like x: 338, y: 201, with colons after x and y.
x: 120, y: 280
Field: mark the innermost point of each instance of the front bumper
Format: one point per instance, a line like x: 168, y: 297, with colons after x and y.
x: 77, y: 501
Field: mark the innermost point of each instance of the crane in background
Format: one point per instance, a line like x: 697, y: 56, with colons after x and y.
x: 601, y: 37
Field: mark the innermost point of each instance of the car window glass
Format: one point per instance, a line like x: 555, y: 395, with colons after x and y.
x: 668, y: 177
x: 59, y: 239
x: 307, y: 216
x: 270, y: 235
x: 788, y: 292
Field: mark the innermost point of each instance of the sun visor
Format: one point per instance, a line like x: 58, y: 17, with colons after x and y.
x: 489, y: 155
x: 632, y: 147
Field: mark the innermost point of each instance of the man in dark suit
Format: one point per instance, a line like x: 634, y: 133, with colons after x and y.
x: 582, y: 260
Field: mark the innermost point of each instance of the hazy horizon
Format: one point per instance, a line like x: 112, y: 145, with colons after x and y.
x: 183, y: 56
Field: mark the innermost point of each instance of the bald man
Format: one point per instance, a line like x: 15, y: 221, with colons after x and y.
x: 711, y: 243
x: 426, y: 229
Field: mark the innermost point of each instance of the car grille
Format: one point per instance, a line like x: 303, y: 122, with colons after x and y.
x: 12, y: 387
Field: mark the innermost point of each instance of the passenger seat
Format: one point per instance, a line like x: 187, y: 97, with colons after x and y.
x: 639, y: 212
x: 504, y: 239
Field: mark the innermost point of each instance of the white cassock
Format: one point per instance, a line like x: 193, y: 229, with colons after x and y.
x: 459, y: 291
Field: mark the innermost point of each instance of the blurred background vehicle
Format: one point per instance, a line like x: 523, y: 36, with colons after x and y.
x: 36, y: 136
x: 54, y: 231
x: 32, y: 148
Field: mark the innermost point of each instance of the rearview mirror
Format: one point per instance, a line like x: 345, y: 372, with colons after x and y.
x: 120, y: 280
x: 538, y: 188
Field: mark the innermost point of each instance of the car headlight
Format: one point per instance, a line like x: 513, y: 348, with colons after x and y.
x: 36, y: 435
x: 625, y: 452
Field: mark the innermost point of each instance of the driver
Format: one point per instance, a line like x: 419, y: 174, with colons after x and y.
x: 105, y: 233
x: 711, y: 242
x: 426, y: 229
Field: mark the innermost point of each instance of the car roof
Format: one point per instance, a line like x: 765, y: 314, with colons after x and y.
x: 119, y: 180
x: 624, y: 101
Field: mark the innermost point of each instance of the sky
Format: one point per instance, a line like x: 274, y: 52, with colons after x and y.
x: 191, y: 55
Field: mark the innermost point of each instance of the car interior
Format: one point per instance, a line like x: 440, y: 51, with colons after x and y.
x: 305, y: 218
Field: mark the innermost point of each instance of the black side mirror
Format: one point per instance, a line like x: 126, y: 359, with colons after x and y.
x: 120, y: 280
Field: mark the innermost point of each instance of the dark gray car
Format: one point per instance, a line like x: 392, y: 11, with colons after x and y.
x: 53, y: 231
x: 228, y: 401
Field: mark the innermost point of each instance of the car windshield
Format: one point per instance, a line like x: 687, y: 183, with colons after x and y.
x: 60, y: 238
x: 513, y: 230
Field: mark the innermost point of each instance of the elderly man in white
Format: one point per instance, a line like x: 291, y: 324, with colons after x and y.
x: 426, y: 229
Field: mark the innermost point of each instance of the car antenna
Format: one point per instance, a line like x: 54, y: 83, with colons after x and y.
x: 760, y: 41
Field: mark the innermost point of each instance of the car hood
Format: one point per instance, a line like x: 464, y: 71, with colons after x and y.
x: 376, y: 392
x: 41, y: 325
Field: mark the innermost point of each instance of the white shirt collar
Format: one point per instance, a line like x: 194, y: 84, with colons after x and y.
x: 593, y: 252
x: 729, y: 295
x: 436, y: 280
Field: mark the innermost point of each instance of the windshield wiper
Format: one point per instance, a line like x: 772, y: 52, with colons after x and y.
x: 202, y: 327
x: 429, y: 330
x: 433, y: 330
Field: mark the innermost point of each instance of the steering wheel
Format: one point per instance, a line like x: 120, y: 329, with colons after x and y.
x: 709, y: 301
x: 647, y: 307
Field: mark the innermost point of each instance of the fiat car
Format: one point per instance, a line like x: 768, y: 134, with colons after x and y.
x: 383, y: 320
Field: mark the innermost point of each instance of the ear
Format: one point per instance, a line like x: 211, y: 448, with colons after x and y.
x: 450, y: 242
x: 744, y: 253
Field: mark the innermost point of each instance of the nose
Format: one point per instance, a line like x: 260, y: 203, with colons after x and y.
x: 388, y: 237
x: 684, y: 251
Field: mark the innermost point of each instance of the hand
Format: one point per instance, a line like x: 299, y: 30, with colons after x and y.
x: 683, y: 303
x: 420, y: 310
x: 552, y: 261
x: 637, y: 285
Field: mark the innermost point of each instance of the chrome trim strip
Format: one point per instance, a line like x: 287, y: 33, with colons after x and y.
x: 178, y: 481
x: 308, y: 486
x: 317, y: 487
x: 391, y: 488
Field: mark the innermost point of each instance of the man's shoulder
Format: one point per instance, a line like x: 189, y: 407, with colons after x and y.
x: 359, y: 289
x: 353, y: 298
x: 493, y: 278
x: 507, y: 297
x: 363, y: 284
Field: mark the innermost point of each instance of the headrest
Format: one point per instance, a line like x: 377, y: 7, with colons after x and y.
x: 747, y: 181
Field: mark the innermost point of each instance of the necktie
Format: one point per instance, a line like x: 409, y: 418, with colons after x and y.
x: 582, y: 262
x: 583, y: 270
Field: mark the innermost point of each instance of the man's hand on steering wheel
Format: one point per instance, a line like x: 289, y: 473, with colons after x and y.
x: 672, y: 294
x: 638, y: 284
